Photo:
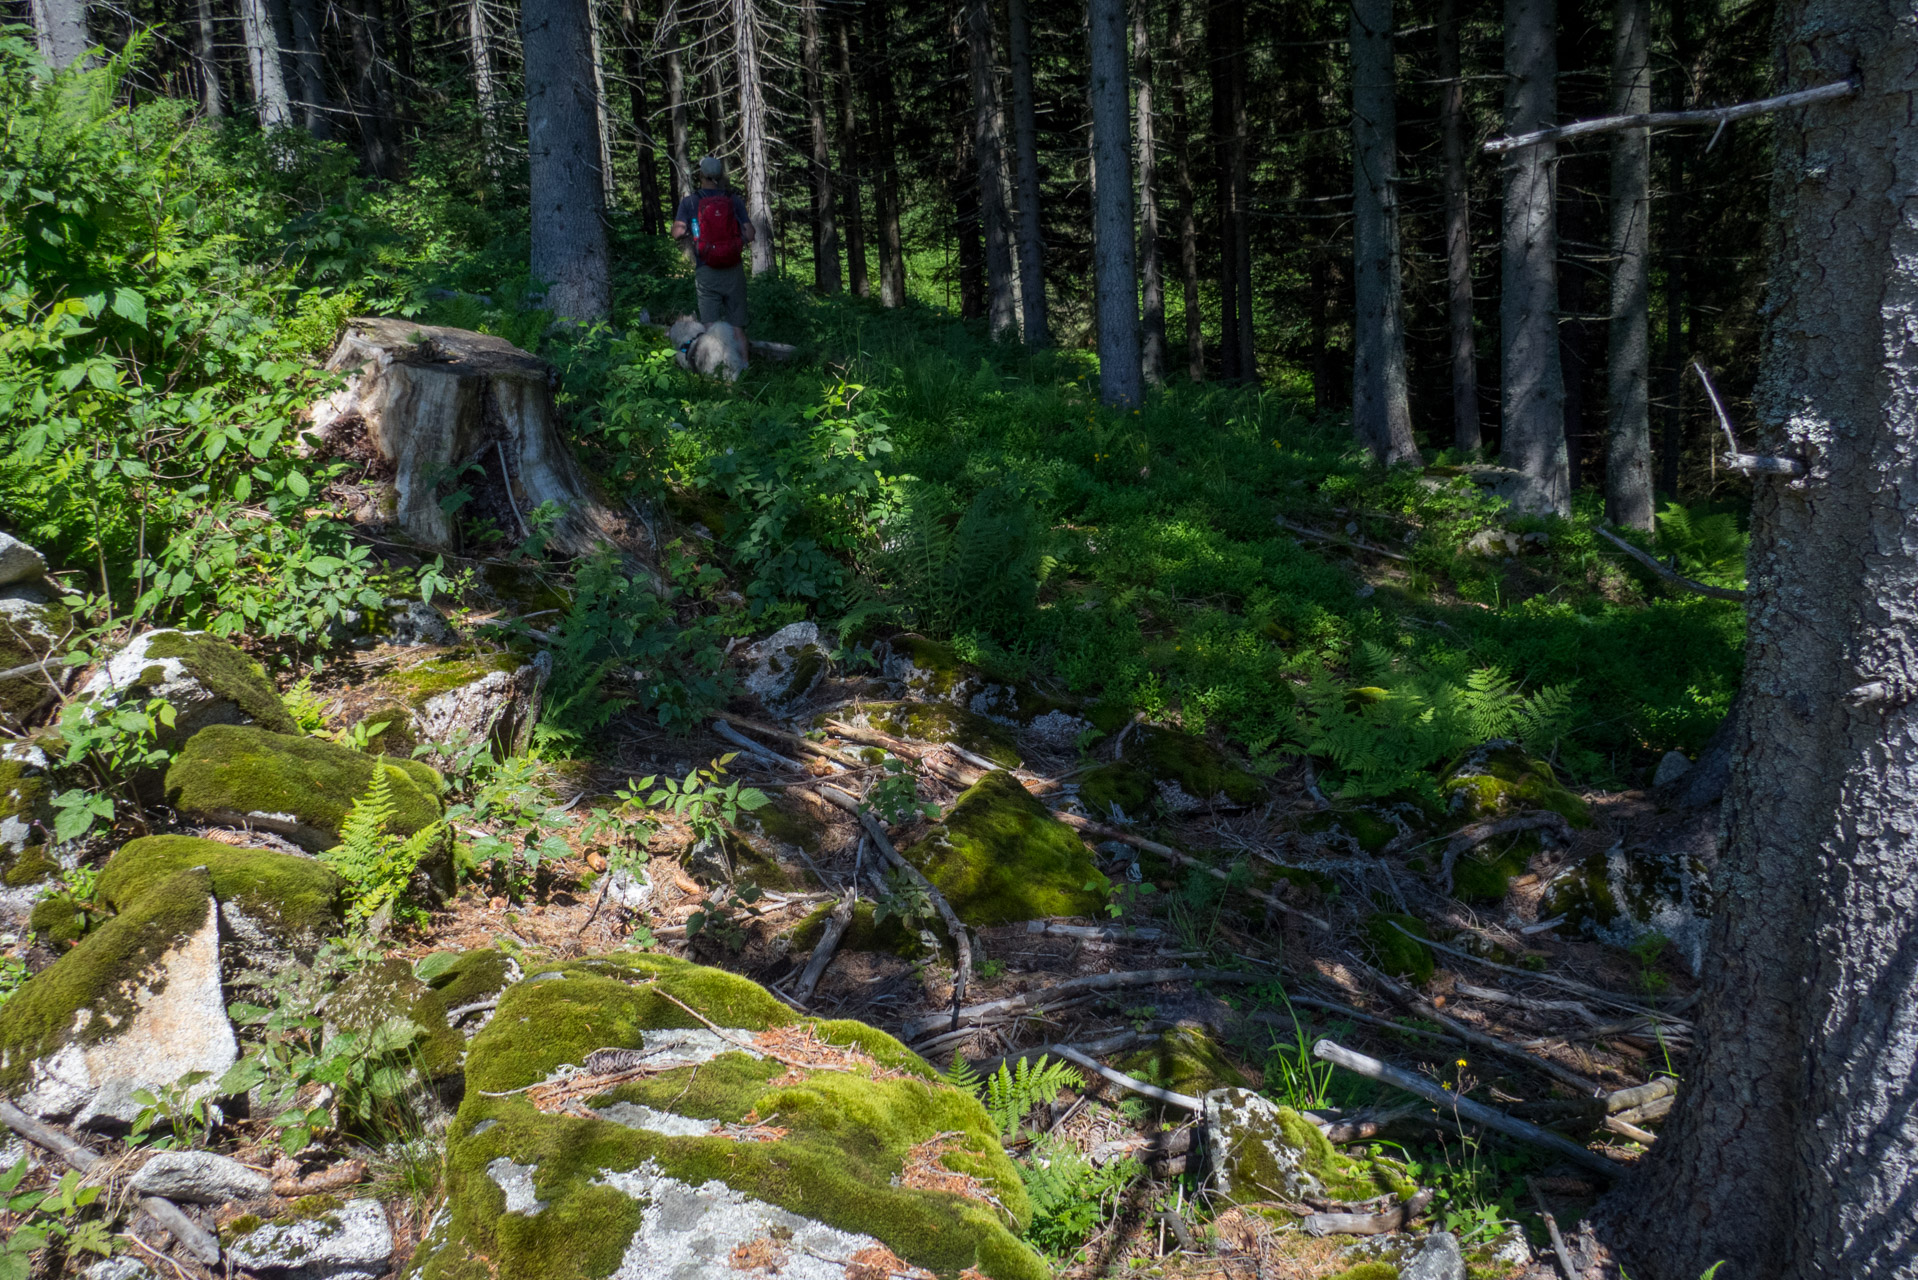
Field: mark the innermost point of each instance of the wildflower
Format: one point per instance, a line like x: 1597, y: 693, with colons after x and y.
x: 1461, y: 1062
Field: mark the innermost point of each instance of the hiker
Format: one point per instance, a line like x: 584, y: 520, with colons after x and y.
x: 713, y: 223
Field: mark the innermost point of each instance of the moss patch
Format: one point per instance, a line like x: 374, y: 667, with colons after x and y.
x: 396, y: 738
x: 1506, y: 780
x: 1001, y: 857
x: 889, y: 937
x: 943, y: 722
x: 233, y: 769
x: 60, y: 919
x: 100, y: 975
x: 846, y: 1134
x: 226, y: 673
x: 296, y: 898
x: 937, y: 670
x: 29, y: 629
x: 465, y: 976
x: 389, y: 990
x: 1277, y: 1154
x: 1118, y: 790
x: 416, y: 685
x: 787, y: 823
x: 1185, y: 1060
x: 1397, y: 954
x: 1369, y: 1271
x: 1197, y: 767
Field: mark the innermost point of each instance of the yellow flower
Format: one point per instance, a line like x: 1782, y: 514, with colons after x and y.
x: 1461, y: 1062
x: 1445, y: 1086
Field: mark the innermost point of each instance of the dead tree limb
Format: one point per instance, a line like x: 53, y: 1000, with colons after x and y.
x: 1551, y: 1229
x: 1624, y: 1100
x: 1752, y: 464
x: 1131, y: 1083
x: 1074, y: 986
x: 1665, y: 119
x: 1564, y: 984
x: 837, y: 923
x: 1668, y: 574
x: 1108, y: 1044
x: 1367, y: 1224
x: 1464, y: 1108
x: 1472, y: 835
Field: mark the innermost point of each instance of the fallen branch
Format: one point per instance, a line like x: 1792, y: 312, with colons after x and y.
x: 1358, y: 543
x: 46, y: 667
x: 1100, y: 932
x: 1551, y: 1229
x: 1073, y: 986
x: 1639, y: 1095
x: 1109, y: 1044
x: 752, y: 748
x: 1474, y: 834
x: 1493, y: 994
x: 1346, y: 1011
x: 1170, y: 854
x: 197, y: 1240
x: 799, y: 741
x: 1396, y: 1218
x: 1670, y: 575
x: 1131, y: 1083
x: 1478, y: 1113
x: 1565, y: 984
x: 1626, y: 1129
x: 1656, y: 1109
x: 1659, y: 119
x: 1752, y: 464
x: 835, y: 928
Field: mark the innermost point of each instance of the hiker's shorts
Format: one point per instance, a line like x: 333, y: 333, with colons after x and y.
x: 722, y: 294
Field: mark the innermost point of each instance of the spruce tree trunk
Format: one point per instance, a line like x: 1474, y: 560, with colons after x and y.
x: 1240, y: 154
x: 479, y: 51
x: 1036, y: 323
x: 1114, y: 268
x: 1792, y: 1151
x: 1462, y: 344
x: 60, y: 30
x: 1532, y: 391
x: 602, y: 109
x: 962, y: 175
x: 1677, y: 256
x: 309, y: 66
x: 562, y: 150
x: 1151, y: 268
x: 826, y: 277
x: 1219, y: 63
x: 646, y: 150
x: 373, y: 91
x: 988, y: 147
x: 1628, y: 446
x: 1188, y: 201
x: 1381, y: 404
x: 753, y: 134
x: 883, y: 104
x: 719, y: 35
x: 849, y: 164
x: 678, y: 132
x: 263, y: 43
x: 206, y: 61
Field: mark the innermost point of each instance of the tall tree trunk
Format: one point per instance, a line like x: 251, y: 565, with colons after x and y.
x: 1532, y: 399
x: 1218, y: 36
x: 1677, y: 261
x: 479, y: 51
x: 1240, y: 154
x: 602, y: 108
x: 753, y: 135
x: 1188, y: 210
x: 883, y: 106
x: 270, y: 101
x: 645, y: 148
x: 849, y: 163
x: 1462, y: 344
x: 60, y: 30
x: 1628, y: 446
x: 1025, y: 144
x: 309, y: 67
x: 962, y: 178
x: 1114, y: 269
x: 1791, y: 1152
x: 373, y: 92
x: 988, y: 147
x: 1381, y: 404
x: 678, y: 133
x: 719, y: 35
x: 1151, y: 268
x: 562, y: 152
x: 206, y: 61
x: 825, y: 226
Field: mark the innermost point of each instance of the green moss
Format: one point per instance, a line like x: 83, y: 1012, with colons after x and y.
x: 60, y: 919
x: 420, y: 683
x: 244, y: 1225
x: 943, y: 722
x: 397, y: 737
x: 525, y: 591
x: 1256, y: 1171
x: 1484, y: 874
x: 1200, y: 769
x: 1369, y: 1271
x: 28, y: 635
x: 469, y: 976
x: 248, y: 770
x: 296, y: 898
x: 788, y: 824
x: 888, y: 937
x: 1397, y: 954
x: 32, y: 865
x: 1118, y: 786
x: 847, y: 1135
x: 748, y: 864
x: 389, y: 990
x: 1001, y: 857
x: 1508, y: 781
x: 100, y: 975
x: 226, y: 673
x: 940, y: 672
x: 1185, y: 1060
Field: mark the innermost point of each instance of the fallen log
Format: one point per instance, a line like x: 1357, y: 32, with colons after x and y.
x: 1074, y: 986
x: 1471, y: 836
x: 1109, y: 1044
x: 1638, y: 1095
x: 837, y: 922
x: 1396, y: 1218
x: 1131, y: 1083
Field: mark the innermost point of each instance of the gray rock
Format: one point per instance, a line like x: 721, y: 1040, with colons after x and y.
x: 122, y: 1268
x: 1492, y: 542
x: 1522, y: 493
x: 785, y: 666
x: 501, y: 705
x: 414, y: 622
x: 19, y: 562
x: 206, y: 680
x: 628, y: 889
x: 1242, y: 1133
x: 515, y: 1181
x: 1440, y: 1259
x: 354, y: 1243
x: 1673, y: 766
x: 200, y: 1177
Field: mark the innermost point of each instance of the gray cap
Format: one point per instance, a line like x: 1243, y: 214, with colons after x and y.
x: 712, y: 167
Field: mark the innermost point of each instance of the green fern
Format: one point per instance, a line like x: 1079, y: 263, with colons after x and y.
x: 1070, y: 1199
x: 376, y: 864
x: 1012, y: 1092
x: 1707, y: 546
x: 962, y: 1074
x: 949, y: 569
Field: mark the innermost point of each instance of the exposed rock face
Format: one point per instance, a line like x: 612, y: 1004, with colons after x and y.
x: 1625, y: 896
x: 1262, y: 1151
x: 785, y: 666
x: 136, y: 1005
x: 199, y: 1177
x: 1438, y: 1259
x: 350, y: 1243
x: 19, y: 562
x: 452, y: 694
x: 207, y: 681
x: 33, y: 622
x: 25, y: 815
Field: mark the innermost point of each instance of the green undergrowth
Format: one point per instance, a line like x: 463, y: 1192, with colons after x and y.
x: 1000, y: 857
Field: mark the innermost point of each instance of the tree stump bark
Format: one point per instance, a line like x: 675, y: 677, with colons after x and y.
x: 432, y: 411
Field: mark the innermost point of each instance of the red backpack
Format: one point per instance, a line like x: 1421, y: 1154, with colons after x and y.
x: 719, y: 240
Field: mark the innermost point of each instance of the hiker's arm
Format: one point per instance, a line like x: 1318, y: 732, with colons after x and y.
x: 680, y: 230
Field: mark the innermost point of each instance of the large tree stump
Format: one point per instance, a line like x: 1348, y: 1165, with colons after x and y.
x: 430, y: 411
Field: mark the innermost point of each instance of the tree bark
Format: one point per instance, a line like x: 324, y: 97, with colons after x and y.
x: 652, y: 216
x: 882, y: 106
x: 60, y: 30
x: 1462, y: 344
x: 1381, y: 403
x: 1628, y: 446
x: 1219, y: 64
x: 263, y: 43
x: 373, y: 92
x: 988, y: 148
x: 678, y: 133
x: 1240, y: 156
x: 562, y: 145
x: 826, y: 276
x: 1188, y: 203
x: 753, y: 134
x: 1677, y: 261
x: 962, y: 177
x: 1532, y: 394
x: 719, y: 34
x: 1034, y: 316
x: 1114, y: 268
x: 206, y: 61
x: 1791, y: 1152
x: 479, y: 51
x: 309, y: 67
x: 850, y: 163
x: 602, y: 109
x: 1151, y: 268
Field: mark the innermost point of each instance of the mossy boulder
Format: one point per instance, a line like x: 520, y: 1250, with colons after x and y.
x: 137, y: 1004
x: 1262, y: 1151
x: 865, y: 933
x: 717, y: 1146
x: 26, y: 812
x: 455, y: 692
x: 1499, y: 779
x: 1188, y: 772
x: 461, y: 977
x: 788, y: 822
x: 276, y: 907
x: 1000, y: 857
x: 1395, y: 953
x: 301, y: 788
x: 32, y: 624
x: 1118, y: 792
x: 61, y: 920
x: 1185, y: 1060
x: 930, y: 671
x: 388, y: 990
x: 943, y: 722
x: 1623, y: 897
x: 207, y: 681
x: 786, y: 666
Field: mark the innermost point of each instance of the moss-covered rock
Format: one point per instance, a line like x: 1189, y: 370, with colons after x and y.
x: 438, y: 697
x: 137, y: 1004
x: 1624, y: 897
x: 60, y: 920
x: 888, y: 937
x: 1000, y: 857
x: 1395, y: 953
x: 386, y: 990
x: 1262, y: 1151
x: 734, y: 859
x: 943, y: 722
x: 26, y: 813
x: 1185, y: 1060
x: 931, y: 671
x: 1498, y: 779
x: 788, y: 822
x: 276, y: 907
x: 1118, y: 792
x: 461, y: 977
x: 301, y: 788
x: 207, y: 681
x: 1189, y: 772
x: 786, y: 666
x: 718, y: 1146
x: 32, y: 624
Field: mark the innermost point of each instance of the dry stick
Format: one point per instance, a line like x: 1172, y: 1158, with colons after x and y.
x: 1102, y: 933
x: 506, y: 483
x: 752, y: 748
x: 1493, y: 994
x: 1367, y: 1224
x: 1566, y: 984
x: 188, y: 1232
x: 45, y: 667
x: 1125, y: 1081
x: 1346, y: 1011
x: 1372, y: 1069
x: 1639, y: 1095
x: 1167, y: 852
x: 1656, y: 1109
x: 1109, y: 1044
x: 1670, y: 575
x: 1472, y: 835
x: 1073, y: 986
x: 803, y: 743
x: 1749, y: 463
x: 1657, y: 119
x: 836, y: 925
x: 1551, y: 1228
x: 1625, y: 1128
x: 1360, y: 543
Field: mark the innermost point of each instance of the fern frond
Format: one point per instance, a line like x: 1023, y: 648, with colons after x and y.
x: 962, y: 1074
x: 1011, y: 1093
